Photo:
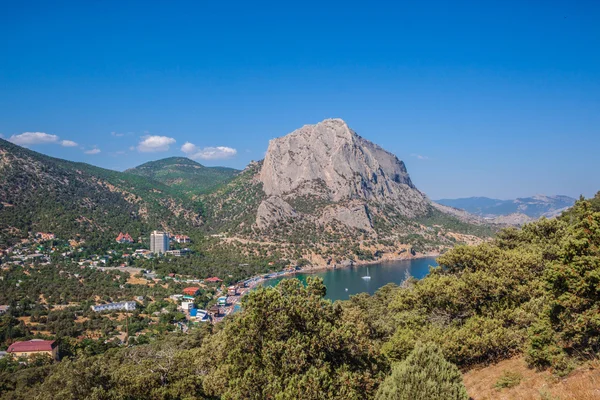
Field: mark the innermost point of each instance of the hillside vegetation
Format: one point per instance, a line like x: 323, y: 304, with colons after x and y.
x: 532, y: 291
x: 185, y: 175
x: 41, y: 193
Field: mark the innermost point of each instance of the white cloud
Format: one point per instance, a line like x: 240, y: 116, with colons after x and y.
x: 92, y: 151
x: 1, y: 135
x: 207, y: 153
x: 68, y: 143
x: 153, y: 144
x: 419, y: 156
x: 188, y: 148
x: 30, y: 138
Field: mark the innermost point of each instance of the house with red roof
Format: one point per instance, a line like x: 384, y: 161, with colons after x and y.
x: 191, y: 291
x: 34, y: 346
x: 214, y: 279
x: 126, y: 238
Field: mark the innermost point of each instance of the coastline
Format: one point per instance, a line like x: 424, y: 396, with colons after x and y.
x: 362, y: 263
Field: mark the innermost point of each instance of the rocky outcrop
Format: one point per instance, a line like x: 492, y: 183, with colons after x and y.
x: 273, y: 210
x: 331, y: 161
x: 354, y: 215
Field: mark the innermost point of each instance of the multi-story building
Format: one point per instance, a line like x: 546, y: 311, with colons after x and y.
x: 159, y: 242
x: 123, y: 305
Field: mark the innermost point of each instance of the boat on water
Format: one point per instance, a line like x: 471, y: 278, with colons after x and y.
x: 367, y: 276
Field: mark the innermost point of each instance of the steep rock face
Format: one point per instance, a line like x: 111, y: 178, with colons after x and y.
x: 273, y: 210
x: 354, y: 215
x: 331, y: 161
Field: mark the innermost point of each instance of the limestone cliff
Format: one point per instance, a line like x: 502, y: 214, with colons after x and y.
x: 332, y: 162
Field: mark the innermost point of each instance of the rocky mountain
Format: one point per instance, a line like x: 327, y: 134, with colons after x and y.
x: 522, y: 209
x: 324, y: 191
x: 330, y: 161
x: 41, y: 193
x: 185, y: 175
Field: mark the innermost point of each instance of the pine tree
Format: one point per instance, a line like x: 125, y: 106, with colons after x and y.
x: 423, y: 375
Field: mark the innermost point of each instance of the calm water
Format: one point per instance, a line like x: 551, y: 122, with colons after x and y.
x: 338, y: 280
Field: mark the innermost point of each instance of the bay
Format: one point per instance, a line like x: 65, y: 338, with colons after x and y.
x: 342, y: 283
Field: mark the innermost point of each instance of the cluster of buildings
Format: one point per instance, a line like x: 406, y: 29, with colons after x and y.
x: 43, y: 236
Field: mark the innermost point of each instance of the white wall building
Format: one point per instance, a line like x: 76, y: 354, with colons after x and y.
x: 159, y: 242
x: 123, y: 305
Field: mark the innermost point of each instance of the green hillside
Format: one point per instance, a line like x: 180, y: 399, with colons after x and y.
x: 185, y: 175
x: 531, y: 291
x: 41, y: 193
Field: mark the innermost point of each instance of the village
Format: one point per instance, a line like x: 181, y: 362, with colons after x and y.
x: 181, y: 302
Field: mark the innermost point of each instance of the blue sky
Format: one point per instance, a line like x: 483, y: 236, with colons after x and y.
x: 494, y: 98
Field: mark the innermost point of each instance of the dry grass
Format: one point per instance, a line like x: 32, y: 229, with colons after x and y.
x: 138, y: 281
x: 582, y: 384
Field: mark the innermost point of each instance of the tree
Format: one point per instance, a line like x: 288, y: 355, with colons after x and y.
x: 290, y: 343
x: 424, y: 375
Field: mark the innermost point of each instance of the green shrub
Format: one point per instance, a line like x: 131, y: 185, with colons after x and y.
x: 508, y: 379
x: 424, y: 375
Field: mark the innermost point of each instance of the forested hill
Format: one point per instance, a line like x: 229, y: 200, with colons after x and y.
x: 42, y: 193
x: 185, y: 175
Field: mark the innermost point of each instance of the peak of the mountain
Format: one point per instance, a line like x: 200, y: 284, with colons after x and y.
x: 331, y: 161
x: 185, y: 175
x: 169, y: 161
x: 533, y: 207
x: 323, y: 190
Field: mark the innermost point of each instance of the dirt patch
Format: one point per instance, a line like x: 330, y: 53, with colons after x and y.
x: 581, y: 384
x: 138, y: 281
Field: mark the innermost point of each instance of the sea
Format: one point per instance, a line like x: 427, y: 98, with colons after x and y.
x: 344, y: 282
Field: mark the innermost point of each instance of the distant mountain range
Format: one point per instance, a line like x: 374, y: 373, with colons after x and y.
x: 533, y: 207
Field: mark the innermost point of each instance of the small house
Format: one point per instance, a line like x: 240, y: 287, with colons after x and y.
x: 34, y: 347
x: 191, y: 291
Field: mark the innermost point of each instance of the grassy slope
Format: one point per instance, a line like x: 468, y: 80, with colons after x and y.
x: 581, y: 384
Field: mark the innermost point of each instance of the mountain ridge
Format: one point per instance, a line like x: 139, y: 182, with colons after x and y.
x: 184, y: 174
x: 39, y: 192
x: 533, y: 207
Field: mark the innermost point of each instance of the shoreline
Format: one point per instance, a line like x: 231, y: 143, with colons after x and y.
x: 319, y: 268
x: 257, y: 280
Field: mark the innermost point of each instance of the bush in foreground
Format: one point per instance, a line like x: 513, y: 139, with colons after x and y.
x: 424, y: 375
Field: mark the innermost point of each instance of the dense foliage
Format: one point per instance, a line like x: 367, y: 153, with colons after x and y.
x: 289, y: 343
x: 185, y: 175
x: 424, y: 375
